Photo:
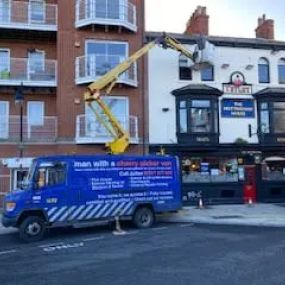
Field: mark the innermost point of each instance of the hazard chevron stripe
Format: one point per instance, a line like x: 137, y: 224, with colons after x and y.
x: 87, y: 212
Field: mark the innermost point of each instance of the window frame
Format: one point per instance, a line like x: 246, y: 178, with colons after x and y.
x: 212, y: 73
x: 90, y: 62
x: 263, y: 65
x: 35, y: 21
x: 189, y: 106
x: 5, y: 133
x: 185, y: 59
x: 8, y: 57
x: 281, y: 68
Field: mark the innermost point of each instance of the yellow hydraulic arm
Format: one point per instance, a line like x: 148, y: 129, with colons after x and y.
x: 120, y: 136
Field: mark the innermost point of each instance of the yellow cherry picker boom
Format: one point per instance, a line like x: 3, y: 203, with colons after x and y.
x: 121, y: 137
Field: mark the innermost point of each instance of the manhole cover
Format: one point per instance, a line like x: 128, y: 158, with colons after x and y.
x: 228, y: 217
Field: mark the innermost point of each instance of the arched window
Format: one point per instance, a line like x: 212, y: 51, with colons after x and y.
x: 281, y: 71
x: 263, y: 70
x: 185, y: 72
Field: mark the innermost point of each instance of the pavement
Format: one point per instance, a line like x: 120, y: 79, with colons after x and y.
x: 257, y: 214
x: 266, y: 215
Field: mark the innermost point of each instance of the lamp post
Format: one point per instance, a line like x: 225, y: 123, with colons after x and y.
x: 19, y: 100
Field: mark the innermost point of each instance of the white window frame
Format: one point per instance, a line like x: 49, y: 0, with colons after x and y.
x: 93, y: 63
x: 90, y: 117
x: 5, y: 133
x: 29, y: 65
x: 31, y: 21
x: 9, y: 11
x: 42, y: 114
x: 9, y: 58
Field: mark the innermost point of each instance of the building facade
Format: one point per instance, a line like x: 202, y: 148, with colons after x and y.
x: 225, y: 122
x: 49, y: 52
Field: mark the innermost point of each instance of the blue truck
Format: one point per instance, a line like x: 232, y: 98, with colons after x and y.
x: 77, y: 190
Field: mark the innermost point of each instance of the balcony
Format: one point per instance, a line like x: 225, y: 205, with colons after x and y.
x: 91, y: 67
x: 15, y: 71
x: 90, y: 131
x: 120, y: 13
x: 43, y: 132
x: 28, y: 15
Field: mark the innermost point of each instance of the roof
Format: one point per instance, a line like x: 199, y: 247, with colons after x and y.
x: 271, y: 91
x: 256, y: 43
x: 199, y: 89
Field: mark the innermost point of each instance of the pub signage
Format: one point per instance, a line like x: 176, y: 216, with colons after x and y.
x: 232, y: 108
x: 237, y: 85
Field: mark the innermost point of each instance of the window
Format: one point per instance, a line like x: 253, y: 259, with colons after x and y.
x: 263, y: 70
x: 209, y: 169
x: 185, y: 72
x: 50, y: 174
x: 119, y: 106
x: 273, y: 170
x: 103, y: 56
x: 197, y: 116
x: 281, y: 71
x: 36, y: 62
x: 200, y: 116
x: 279, y: 117
x: 207, y: 74
x: 4, y: 63
x: 4, y: 119
x: 264, y: 118
x: 4, y: 10
x: 37, y: 11
x: 35, y: 113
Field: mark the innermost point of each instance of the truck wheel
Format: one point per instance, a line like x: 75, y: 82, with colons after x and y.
x: 143, y: 218
x: 32, y: 229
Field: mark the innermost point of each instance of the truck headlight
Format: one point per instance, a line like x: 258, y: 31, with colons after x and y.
x: 10, y: 206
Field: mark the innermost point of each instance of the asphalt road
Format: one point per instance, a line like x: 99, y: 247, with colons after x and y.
x: 167, y: 254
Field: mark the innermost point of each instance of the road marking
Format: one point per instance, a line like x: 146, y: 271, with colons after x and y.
x: 186, y: 225
x: 63, y: 246
x: 94, y: 238
x: 159, y: 228
x: 8, y: 251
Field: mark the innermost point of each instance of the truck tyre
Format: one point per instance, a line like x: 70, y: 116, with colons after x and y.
x: 32, y: 229
x: 143, y: 218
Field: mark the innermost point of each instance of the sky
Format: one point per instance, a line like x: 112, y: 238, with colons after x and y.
x: 226, y: 17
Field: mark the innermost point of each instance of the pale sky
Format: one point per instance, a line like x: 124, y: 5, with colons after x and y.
x: 226, y: 17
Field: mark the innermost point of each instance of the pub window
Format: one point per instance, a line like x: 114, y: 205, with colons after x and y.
x: 264, y: 118
x: 278, y: 117
x: 200, y: 116
x: 197, y: 116
x: 281, y: 71
x: 263, y: 70
x: 185, y: 72
x: 210, y: 169
x: 207, y: 74
x: 183, y: 117
x: 273, y: 169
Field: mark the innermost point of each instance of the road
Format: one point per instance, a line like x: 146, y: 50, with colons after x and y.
x: 166, y: 254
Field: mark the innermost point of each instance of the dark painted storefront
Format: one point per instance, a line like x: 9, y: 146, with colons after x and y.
x: 222, y: 173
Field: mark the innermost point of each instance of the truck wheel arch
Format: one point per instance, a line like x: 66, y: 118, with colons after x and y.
x: 28, y: 213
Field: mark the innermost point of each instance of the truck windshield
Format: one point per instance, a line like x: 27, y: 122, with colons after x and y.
x: 25, y: 184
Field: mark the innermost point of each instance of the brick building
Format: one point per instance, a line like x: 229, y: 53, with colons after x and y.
x: 50, y: 50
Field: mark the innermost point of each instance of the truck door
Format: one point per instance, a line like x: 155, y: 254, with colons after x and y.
x: 50, y: 191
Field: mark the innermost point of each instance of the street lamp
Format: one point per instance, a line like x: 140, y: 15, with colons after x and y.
x: 19, y: 100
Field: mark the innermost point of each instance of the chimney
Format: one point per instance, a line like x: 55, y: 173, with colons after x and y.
x: 198, y: 23
x: 265, y: 28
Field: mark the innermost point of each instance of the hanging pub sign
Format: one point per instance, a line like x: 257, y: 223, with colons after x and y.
x: 232, y: 108
x: 237, y: 85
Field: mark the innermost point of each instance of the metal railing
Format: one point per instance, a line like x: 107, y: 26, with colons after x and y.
x: 28, y: 15
x: 89, y: 130
x: 42, y: 130
x: 91, y: 67
x: 103, y: 13
x: 14, y: 71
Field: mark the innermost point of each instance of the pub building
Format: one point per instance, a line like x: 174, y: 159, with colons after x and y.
x: 226, y: 122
